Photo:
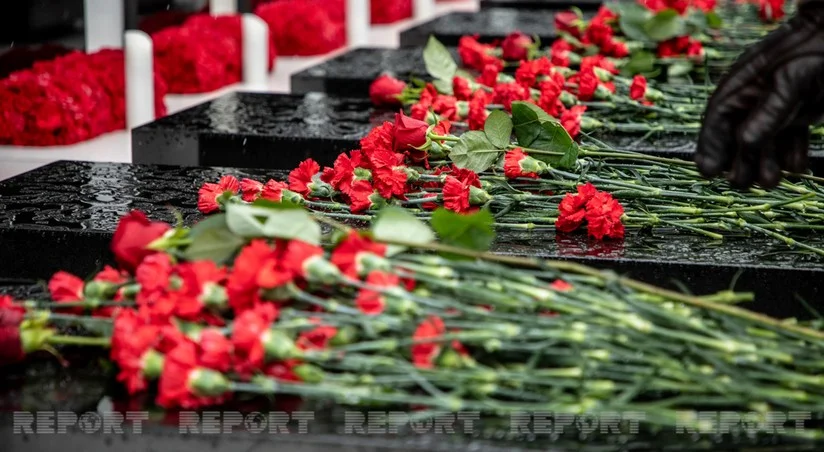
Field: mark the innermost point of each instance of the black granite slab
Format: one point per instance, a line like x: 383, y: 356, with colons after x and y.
x: 489, y: 24
x: 63, y: 215
x: 257, y: 130
x: 350, y: 74
x: 542, y: 4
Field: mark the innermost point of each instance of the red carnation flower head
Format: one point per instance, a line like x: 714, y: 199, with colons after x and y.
x: 134, y: 343
x: 518, y: 164
x: 306, y: 261
x: 242, y: 285
x: 587, y: 84
x: 385, y: 91
x: 477, y: 110
x: 598, y: 32
x: 606, y: 15
x: 427, y: 348
x: 249, y: 332
x: 571, y: 119
x: 379, y: 139
x: 373, y: 302
x: 506, y: 93
x: 615, y: 49
x: 529, y: 71
x: 600, y: 64
x: 561, y: 285
x: 708, y: 5
x: 8, y: 303
x: 603, y: 215
x: 317, y: 338
x: 363, y: 196
x: 569, y: 22
x: 215, y: 350
x: 209, y: 195
x: 65, y: 287
x: 572, y: 209
x: 358, y: 255
x: 475, y: 55
x: 305, y: 179
x: 11, y: 346
x: 250, y: 189
x: 489, y: 75
x: 275, y: 191
x: 446, y: 107
x: 561, y: 53
x: 550, y: 100
x: 516, y: 46
x: 186, y: 383
x: 409, y: 133
x: 202, y: 287
x: 133, y: 235
x: 459, y: 195
x: 462, y: 88
x: 638, y: 89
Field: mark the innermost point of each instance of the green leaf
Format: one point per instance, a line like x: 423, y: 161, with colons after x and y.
x: 498, y: 129
x: 397, y: 223
x: 526, y: 119
x: 474, y: 231
x: 667, y: 24
x: 474, y: 152
x: 632, y: 18
x: 679, y: 68
x: 640, y: 62
x: 285, y: 222
x: 696, y: 21
x: 555, y: 138
x: 212, y: 240
x: 443, y: 86
x: 714, y: 20
x: 438, y: 60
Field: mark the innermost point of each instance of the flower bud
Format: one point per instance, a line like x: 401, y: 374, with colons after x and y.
x: 319, y: 188
x: 321, y: 271
x: 478, y: 196
x: 291, y: 197
x: 214, y: 296
x: 568, y: 99
x: 208, y: 383
x: 588, y: 123
x: 309, y: 373
x: 101, y: 290
x: 345, y: 335
x: 279, y: 346
x: 152, y: 364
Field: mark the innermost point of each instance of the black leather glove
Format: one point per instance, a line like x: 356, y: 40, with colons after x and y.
x: 757, y: 121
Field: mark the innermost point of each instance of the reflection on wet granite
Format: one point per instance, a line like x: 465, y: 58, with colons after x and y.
x: 350, y: 74
x: 62, y: 216
x: 257, y: 130
x: 542, y: 4
x: 489, y: 24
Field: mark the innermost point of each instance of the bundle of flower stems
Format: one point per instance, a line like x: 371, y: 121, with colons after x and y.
x: 540, y: 181
x: 248, y: 302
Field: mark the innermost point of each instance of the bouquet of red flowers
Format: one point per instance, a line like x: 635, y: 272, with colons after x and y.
x: 70, y: 99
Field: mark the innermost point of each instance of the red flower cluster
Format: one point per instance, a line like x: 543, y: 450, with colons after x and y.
x: 680, y: 46
x: 600, y: 210
x: 203, y: 54
x: 476, y: 55
x: 383, y: 12
x: 305, y: 27
x: 73, y: 98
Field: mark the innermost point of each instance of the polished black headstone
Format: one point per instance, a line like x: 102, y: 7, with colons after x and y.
x: 489, y: 24
x: 350, y: 74
x: 257, y: 131
x: 542, y: 4
x: 63, y: 215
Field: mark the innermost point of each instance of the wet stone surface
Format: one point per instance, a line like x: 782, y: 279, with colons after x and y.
x: 62, y: 216
x: 489, y: 24
x: 256, y: 130
x: 351, y: 74
x: 542, y: 4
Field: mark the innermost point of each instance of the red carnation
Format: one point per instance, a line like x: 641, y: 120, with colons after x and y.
x: 571, y: 210
x: 186, y: 383
x: 215, y: 350
x: 604, y: 217
x: 297, y: 255
x: 489, y: 75
x: 638, y: 89
x: 571, y: 120
x: 461, y: 88
x: 371, y: 302
x: 561, y: 285
x: 446, y: 107
x: 476, y: 55
x: 380, y: 138
x: 303, y: 27
x: 250, y: 189
x: 550, y: 100
x: 559, y: 53
x: 529, y: 71
x: 518, y: 164
x: 348, y: 255
x: 133, y: 234
x: 506, y: 93
x: 317, y: 338
x: 8, y: 303
x: 301, y: 177
x: 598, y: 61
x: 598, y: 33
x: 516, y: 46
x: 248, y: 336
x: 385, y: 91
x: 273, y: 190
x: 207, y: 195
x: 66, y: 287
x: 134, y: 349
x: 242, y: 285
x: 456, y: 195
x: 426, y: 349
x: 587, y: 84
x: 361, y: 196
x: 477, y: 110
x: 568, y: 22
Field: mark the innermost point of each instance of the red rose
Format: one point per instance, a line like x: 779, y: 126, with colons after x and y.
x: 476, y: 55
x: 384, y: 91
x: 638, y: 89
x: 408, y: 133
x: 516, y: 46
x: 133, y: 234
x: 568, y: 22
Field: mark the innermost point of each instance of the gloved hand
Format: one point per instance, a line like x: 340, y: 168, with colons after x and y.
x: 757, y: 121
